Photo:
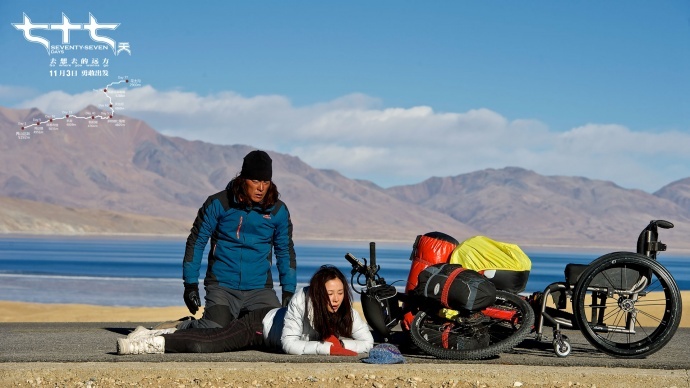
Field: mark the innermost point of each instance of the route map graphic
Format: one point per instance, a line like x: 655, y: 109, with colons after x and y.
x: 114, y: 96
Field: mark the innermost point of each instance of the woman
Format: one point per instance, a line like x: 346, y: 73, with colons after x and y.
x: 318, y: 320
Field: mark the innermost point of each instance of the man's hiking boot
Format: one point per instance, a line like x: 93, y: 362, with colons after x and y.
x: 142, y: 345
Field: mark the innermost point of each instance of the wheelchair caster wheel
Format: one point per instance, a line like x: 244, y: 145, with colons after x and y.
x: 562, y: 347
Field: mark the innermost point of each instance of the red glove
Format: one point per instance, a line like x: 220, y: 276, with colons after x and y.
x: 336, y: 348
x: 340, y: 351
x: 332, y: 339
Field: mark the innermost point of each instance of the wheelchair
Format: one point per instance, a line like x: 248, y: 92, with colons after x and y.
x: 626, y: 304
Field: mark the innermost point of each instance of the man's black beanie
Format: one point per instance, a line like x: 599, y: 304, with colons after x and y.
x: 257, y: 165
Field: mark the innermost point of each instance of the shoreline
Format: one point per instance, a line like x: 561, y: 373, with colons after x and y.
x: 566, y: 247
x: 13, y: 311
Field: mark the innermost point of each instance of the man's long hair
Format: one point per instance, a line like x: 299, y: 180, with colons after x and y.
x: 238, y: 189
x: 325, y: 322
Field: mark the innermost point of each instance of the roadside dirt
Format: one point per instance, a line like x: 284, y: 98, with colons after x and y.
x: 325, y: 375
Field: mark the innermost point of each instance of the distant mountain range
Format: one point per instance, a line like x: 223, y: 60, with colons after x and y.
x: 98, y: 176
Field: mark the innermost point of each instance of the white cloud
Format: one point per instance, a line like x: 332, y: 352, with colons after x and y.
x: 357, y: 137
x: 57, y: 101
x: 16, y: 92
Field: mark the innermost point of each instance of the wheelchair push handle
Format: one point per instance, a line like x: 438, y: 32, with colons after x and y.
x: 648, y: 243
x: 663, y: 224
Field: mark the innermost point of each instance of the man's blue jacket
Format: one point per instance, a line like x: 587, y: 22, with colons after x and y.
x: 242, y: 241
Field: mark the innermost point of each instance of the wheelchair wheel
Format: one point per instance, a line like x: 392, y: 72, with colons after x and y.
x: 480, y: 335
x: 627, y: 305
x: 562, y: 347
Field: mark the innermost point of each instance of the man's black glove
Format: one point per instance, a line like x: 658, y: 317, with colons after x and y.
x: 287, y: 295
x: 191, y: 297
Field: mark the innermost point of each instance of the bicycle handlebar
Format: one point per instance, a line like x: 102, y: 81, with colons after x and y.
x: 370, y: 271
x: 372, y: 254
x: 356, y: 264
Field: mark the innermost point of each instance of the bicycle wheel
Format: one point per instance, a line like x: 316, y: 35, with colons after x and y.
x: 627, y: 305
x: 484, y: 334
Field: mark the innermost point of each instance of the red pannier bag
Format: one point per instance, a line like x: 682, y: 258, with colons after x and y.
x: 428, y: 249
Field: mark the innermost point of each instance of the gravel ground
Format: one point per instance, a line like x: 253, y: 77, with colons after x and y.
x: 326, y: 375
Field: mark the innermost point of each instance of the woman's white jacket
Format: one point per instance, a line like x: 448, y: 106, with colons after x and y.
x: 291, y: 329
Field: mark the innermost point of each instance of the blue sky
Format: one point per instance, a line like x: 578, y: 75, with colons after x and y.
x: 390, y: 91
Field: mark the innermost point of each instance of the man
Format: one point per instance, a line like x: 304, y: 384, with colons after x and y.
x: 246, y: 223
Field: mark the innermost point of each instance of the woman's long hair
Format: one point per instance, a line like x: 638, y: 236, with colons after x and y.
x: 325, y: 322
x: 239, y: 190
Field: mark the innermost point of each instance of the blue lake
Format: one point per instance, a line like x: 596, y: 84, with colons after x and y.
x: 147, y: 272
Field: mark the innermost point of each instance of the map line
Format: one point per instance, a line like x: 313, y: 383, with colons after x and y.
x: 92, y: 117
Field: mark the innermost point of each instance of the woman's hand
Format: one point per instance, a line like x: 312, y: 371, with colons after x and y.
x: 337, y: 348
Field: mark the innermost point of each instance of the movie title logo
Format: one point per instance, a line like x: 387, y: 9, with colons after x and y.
x: 41, y: 33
